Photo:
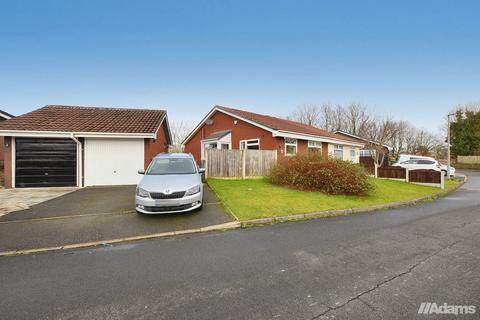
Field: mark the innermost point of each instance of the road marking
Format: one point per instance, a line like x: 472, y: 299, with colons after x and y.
x: 67, y: 217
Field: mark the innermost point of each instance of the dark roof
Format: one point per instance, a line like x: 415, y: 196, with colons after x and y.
x: 284, y: 125
x: 358, y: 138
x: 87, y: 119
x: 2, y: 113
x: 218, y: 134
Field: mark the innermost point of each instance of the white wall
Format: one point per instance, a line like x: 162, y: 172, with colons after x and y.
x: 346, y: 153
x: 110, y: 161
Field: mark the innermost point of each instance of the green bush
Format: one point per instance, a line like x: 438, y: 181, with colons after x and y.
x: 313, y: 173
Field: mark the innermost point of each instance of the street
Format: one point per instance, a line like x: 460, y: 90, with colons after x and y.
x: 380, y: 265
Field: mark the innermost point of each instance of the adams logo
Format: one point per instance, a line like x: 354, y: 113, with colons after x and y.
x: 433, y: 308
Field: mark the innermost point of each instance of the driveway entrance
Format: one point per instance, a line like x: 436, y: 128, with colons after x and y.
x: 96, y: 214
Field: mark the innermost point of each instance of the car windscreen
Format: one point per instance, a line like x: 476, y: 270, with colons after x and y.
x: 172, y: 166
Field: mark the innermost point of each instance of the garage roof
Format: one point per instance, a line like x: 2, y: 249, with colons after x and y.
x: 77, y: 119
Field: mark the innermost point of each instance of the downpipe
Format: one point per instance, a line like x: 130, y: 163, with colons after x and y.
x: 79, y: 161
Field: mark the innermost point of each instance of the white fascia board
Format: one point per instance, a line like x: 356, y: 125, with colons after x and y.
x: 165, y: 118
x: 5, y: 116
x: 302, y: 136
x: 194, y: 131
x: 58, y: 134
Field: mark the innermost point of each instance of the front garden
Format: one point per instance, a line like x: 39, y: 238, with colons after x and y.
x: 252, y: 199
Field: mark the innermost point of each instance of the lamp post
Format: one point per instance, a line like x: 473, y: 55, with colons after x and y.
x: 448, y: 142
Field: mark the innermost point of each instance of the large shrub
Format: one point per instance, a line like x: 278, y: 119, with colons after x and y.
x: 313, y: 173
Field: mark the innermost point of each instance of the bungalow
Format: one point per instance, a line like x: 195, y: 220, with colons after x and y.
x: 3, y: 116
x: 81, y: 146
x: 228, y: 128
x: 369, y: 149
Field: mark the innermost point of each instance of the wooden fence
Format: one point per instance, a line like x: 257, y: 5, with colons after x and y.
x: 423, y: 177
x: 468, y: 159
x: 392, y: 172
x: 239, y: 163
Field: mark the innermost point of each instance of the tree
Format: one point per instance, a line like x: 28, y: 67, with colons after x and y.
x: 465, y: 133
x: 309, y: 114
x: 178, y: 130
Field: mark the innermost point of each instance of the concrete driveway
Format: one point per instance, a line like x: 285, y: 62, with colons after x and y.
x: 95, y: 214
x: 21, y: 199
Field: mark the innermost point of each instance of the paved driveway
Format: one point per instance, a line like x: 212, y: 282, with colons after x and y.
x: 95, y: 214
x: 21, y: 199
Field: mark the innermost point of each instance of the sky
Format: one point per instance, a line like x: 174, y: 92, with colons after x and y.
x: 411, y: 60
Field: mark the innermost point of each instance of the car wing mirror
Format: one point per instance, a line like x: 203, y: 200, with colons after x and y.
x: 201, y: 170
x: 141, y: 171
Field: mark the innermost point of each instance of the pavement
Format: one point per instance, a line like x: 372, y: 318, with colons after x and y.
x: 21, y: 199
x: 379, y: 265
x: 97, y: 214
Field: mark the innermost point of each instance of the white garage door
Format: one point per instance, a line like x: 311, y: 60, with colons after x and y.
x: 113, y: 161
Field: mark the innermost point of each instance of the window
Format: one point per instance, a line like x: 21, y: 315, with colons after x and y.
x: 352, y: 153
x: 252, y: 144
x: 225, y: 146
x: 338, y: 151
x: 212, y: 145
x: 425, y: 162
x: 314, y: 147
x: 367, y: 153
x: 290, y: 147
x: 163, y: 166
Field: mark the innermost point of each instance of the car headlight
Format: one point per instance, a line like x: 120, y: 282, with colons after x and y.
x: 193, y: 190
x: 142, y: 193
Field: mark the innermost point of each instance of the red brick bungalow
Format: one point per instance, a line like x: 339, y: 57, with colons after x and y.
x: 82, y: 146
x: 228, y: 128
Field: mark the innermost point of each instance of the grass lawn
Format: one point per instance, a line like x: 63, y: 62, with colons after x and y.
x: 252, y: 199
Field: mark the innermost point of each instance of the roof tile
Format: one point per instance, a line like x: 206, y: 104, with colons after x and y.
x: 87, y: 119
x: 285, y: 125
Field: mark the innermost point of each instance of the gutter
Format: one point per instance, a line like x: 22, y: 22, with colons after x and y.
x: 79, y: 161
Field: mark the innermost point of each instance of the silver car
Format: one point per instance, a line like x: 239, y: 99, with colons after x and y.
x: 172, y: 183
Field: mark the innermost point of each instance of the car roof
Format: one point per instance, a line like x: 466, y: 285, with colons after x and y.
x: 174, y: 155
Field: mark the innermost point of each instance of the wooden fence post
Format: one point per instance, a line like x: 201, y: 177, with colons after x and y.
x: 376, y: 170
x: 244, y: 164
x: 442, y: 180
x: 407, y: 175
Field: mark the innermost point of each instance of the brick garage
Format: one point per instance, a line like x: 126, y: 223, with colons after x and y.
x: 82, y: 146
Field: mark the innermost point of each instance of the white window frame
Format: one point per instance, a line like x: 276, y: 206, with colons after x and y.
x: 337, y: 147
x: 367, y: 153
x: 291, y: 144
x: 247, y: 143
x: 314, y: 144
x: 353, y: 153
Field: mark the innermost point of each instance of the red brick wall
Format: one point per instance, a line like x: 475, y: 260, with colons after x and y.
x: 2, y: 143
x: 7, y: 155
x: 152, y: 148
x: 240, y: 131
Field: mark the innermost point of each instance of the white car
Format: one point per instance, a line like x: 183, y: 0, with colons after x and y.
x: 444, y: 169
x: 416, y: 164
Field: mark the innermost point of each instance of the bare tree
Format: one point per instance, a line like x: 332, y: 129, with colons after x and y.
x: 179, y: 131
x: 380, y: 132
x: 309, y: 114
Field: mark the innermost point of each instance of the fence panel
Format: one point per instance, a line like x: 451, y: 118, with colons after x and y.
x: 425, y: 176
x: 468, y: 159
x: 230, y: 163
x: 259, y: 162
x: 392, y: 172
x: 224, y: 163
